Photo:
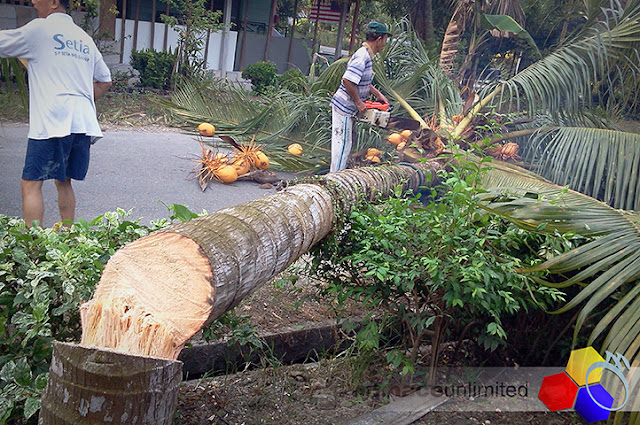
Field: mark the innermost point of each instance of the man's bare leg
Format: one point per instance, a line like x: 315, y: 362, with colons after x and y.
x: 32, y: 202
x: 66, y: 200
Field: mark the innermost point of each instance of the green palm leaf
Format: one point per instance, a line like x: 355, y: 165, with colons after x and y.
x: 330, y: 78
x: 562, y: 81
x: 404, y: 69
x: 11, y: 67
x: 598, y: 162
x: 610, y: 263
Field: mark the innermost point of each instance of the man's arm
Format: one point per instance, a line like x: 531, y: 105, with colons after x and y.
x: 100, y: 88
x: 374, y: 91
x: 352, y: 89
x: 13, y: 44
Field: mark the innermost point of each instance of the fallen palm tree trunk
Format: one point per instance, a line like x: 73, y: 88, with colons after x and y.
x: 157, y: 292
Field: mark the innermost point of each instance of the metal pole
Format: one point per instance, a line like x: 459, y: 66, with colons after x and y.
x: 354, y: 26
x: 293, y: 26
x: 315, y: 32
x: 153, y: 22
x: 341, y: 25
x: 226, y: 17
x: 135, y: 26
x: 244, y: 34
x: 274, y: 5
x: 122, y: 29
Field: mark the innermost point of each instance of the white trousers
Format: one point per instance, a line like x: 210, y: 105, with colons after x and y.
x: 342, y: 135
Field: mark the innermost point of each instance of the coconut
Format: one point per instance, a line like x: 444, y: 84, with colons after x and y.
x: 241, y: 165
x: 227, y: 174
x: 373, y: 152
x: 294, y: 149
x: 222, y: 158
x: 261, y: 160
x: 394, y: 138
x: 206, y: 129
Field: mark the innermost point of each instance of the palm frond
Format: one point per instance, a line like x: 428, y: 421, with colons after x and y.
x: 226, y: 106
x: 12, y: 68
x: 561, y: 82
x: 608, y: 267
x: 453, y: 36
x: 511, y: 8
x: 403, y: 69
x: 533, y: 200
x: 330, y: 79
x: 598, y: 162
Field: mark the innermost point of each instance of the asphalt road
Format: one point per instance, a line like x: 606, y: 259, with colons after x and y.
x: 132, y: 170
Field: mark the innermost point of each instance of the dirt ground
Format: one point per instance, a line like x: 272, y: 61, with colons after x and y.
x: 327, y: 392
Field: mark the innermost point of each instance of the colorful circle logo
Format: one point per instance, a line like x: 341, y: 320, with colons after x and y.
x: 579, y: 385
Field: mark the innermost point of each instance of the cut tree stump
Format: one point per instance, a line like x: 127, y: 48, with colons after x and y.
x: 89, y: 386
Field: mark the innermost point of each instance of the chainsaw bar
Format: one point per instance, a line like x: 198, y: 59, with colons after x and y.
x: 402, y: 123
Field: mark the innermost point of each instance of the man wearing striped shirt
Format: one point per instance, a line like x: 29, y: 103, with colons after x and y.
x: 353, y: 91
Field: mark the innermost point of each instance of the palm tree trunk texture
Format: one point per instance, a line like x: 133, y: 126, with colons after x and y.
x: 157, y: 292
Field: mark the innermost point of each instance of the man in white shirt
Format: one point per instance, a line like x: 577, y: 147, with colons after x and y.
x: 66, y: 75
x: 354, y: 89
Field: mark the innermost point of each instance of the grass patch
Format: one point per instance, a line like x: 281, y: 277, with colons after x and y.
x: 115, y: 108
x: 134, y: 109
x: 12, y: 108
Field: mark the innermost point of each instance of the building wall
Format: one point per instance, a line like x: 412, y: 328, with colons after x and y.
x: 278, y: 51
x: 144, y: 42
x: 257, y: 16
x: 14, y: 16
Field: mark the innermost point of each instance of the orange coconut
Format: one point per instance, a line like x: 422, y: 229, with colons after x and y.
x: 373, y: 152
x: 394, y: 138
x: 294, y: 149
x: 241, y: 165
x: 206, y: 129
x: 261, y: 160
x: 227, y: 174
x: 222, y: 158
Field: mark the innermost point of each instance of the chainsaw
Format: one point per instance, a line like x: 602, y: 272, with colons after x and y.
x: 379, y: 114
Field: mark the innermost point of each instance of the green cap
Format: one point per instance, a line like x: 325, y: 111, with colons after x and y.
x: 378, y: 28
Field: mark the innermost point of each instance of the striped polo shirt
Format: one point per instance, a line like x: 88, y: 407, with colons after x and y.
x: 360, y: 72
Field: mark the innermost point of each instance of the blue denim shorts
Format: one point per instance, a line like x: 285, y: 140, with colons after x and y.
x: 59, y: 158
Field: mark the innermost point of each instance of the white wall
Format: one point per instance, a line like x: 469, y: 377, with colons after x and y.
x: 144, y: 41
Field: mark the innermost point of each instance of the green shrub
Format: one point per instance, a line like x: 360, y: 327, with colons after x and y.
x: 154, y: 67
x: 44, y: 275
x: 263, y: 76
x: 293, y: 80
x: 434, y: 266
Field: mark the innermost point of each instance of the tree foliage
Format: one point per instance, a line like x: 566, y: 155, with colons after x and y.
x: 434, y: 264
x: 44, y: 275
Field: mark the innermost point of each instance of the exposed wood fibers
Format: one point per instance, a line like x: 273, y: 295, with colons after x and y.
x: 150, y: 309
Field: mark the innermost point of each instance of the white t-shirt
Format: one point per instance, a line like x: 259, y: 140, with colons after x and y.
x: 63, y: 63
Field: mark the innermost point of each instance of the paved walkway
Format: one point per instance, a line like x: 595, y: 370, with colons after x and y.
x: 135, y: 170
